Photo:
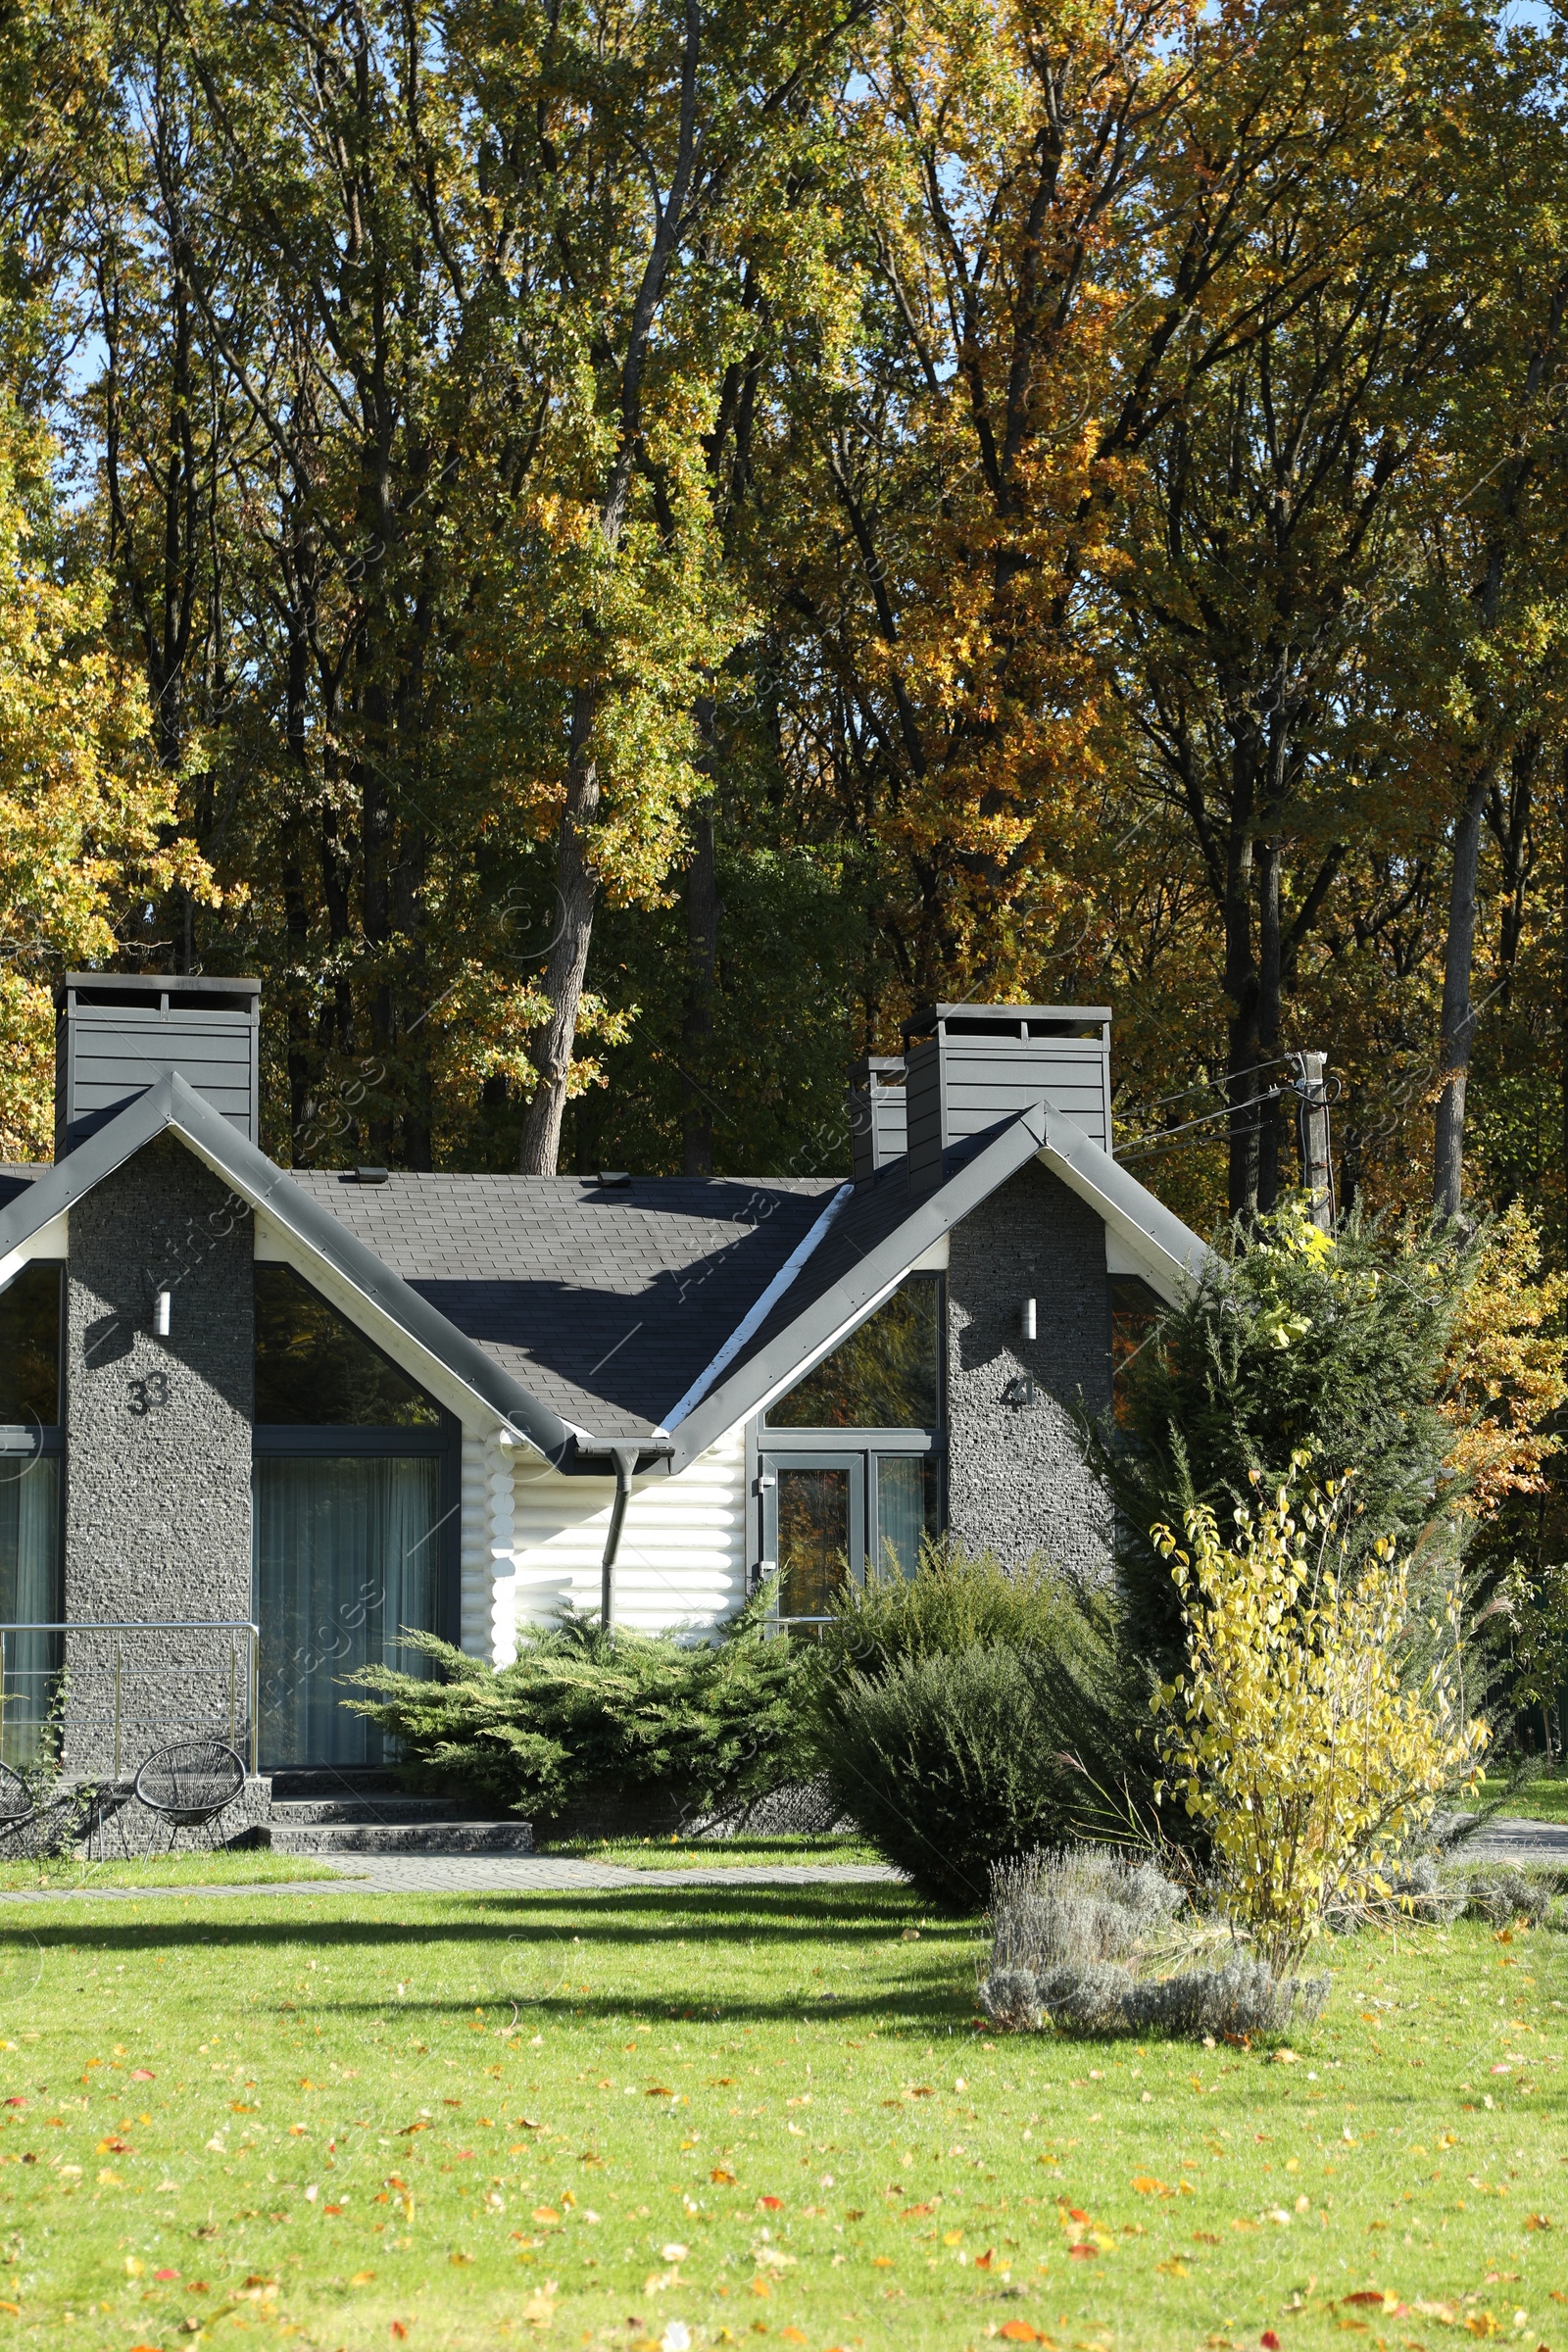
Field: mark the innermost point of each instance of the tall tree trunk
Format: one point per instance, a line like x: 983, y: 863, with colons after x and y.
x: 703, y: 911
x: 1268, y: 1025
x: 1562, y: 957
x: 576, y: 890
x: 1241, y: 986
x: 1459, y: 1017
x: 577, y: 884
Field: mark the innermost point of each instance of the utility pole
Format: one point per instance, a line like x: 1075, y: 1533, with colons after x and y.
x: 1316, y: 1171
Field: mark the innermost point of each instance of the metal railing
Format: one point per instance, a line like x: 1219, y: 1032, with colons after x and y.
x: 106, y: 1694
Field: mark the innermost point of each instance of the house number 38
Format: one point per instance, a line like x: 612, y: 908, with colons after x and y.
x: 146, y: 1394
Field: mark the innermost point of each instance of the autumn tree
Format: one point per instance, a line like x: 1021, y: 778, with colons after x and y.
x: 86, y: 817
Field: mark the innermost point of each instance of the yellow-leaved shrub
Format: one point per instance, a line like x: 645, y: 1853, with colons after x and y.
x: 1301, y: 1733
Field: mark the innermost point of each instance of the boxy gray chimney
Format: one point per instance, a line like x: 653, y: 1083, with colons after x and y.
x: 969, y: 1066
x: 116, y: 1033
x: 876, y: 1117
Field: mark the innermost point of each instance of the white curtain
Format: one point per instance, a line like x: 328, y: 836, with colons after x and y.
x: 30, y: 1593
x: 346, y: 1555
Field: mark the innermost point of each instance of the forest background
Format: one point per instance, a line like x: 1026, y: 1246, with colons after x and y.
x: 609, y: 551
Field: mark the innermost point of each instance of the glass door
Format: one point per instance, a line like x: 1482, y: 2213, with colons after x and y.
x: 814, y: 1528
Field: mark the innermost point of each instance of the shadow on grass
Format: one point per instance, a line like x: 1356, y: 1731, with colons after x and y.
x: 638, y: 1922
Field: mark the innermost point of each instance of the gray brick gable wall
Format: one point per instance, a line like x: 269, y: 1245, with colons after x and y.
x: 1015, y: 1481
x: 158, y: 1481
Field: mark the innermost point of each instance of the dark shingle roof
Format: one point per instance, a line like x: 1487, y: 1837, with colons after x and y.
x: 605, y: 1303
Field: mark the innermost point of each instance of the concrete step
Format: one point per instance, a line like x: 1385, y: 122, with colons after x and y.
x: 305, y: 1813
x: 400, y: 1838
x: 294, y: 1783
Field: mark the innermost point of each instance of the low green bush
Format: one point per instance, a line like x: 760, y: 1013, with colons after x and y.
x: 968, y: 1713
x: 580, y: 1713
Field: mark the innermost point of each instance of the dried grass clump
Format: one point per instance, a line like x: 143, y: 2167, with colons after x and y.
x: 1083, y: 1940
x: 1414, y: 1890
x: 1502, y: 1894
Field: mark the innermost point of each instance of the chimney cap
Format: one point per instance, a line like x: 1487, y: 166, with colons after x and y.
x: 1000, y: 1020
x: 145, y: 986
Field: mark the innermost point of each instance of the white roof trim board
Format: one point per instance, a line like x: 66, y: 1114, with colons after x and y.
x: 753, y: 1319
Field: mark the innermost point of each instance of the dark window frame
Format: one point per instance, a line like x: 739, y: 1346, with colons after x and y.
x: 441, y: 1439
x: 766, y: 1447
x: 365, y: 1340
x: 804, y: 1432
x: 43, y: 1437
x: 28, y: 1442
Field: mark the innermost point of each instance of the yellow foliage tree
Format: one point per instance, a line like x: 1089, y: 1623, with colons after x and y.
x: 1297, y: 1735
x: 1505, y: 1370
x: 86, y: 816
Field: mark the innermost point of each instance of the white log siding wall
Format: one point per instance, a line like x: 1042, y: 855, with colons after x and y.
x: 682, y: 1558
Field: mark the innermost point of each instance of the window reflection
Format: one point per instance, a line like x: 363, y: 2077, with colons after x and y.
x: 1134, y: 1313
x: 886, y: 1375
x: 312, y: 1366
x: 29, y: 1347
x: 813, y: 1536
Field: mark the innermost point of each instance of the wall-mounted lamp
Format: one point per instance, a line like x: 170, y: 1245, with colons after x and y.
x: 1029, y: 1319
x: 162, y: 1304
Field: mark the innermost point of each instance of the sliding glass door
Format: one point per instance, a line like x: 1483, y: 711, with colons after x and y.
x: 31, y: 1444
x: 354, y: 1523
x: 347, y: 1560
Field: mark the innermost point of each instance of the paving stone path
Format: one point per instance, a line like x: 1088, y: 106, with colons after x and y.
x: 483, y: 1874
x: 546, y: 1874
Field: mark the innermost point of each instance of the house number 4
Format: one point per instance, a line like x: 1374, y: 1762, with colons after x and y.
x: 147, y: 1393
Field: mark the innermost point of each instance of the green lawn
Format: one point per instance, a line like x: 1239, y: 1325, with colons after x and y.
x: 247, y: 1867
x: 626, y: 2118
x: 717, y: 1853
x: 1541, y: 1800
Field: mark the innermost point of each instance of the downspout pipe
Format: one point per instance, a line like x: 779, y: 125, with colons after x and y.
x: 626, y: 1459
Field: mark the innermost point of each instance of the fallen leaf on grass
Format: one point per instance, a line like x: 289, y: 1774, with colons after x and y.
x: 362, y: 2279
x: 1538, y: 2221
x: 725, y: 2179
x: 1244, y: 2224
x: 1083, y: 2253
x: 882, y: 2262
x: 1017, y: 2331
x: 113, y: 2147
x: 1147, y: 2186
x: 459, y: 2258
x: 1172, y: 2269
x: 908, y: 2209
x: 1269, y: 2340
x: 773, y: 2204
x: 659, y: 2091
x: 793, y: 2336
